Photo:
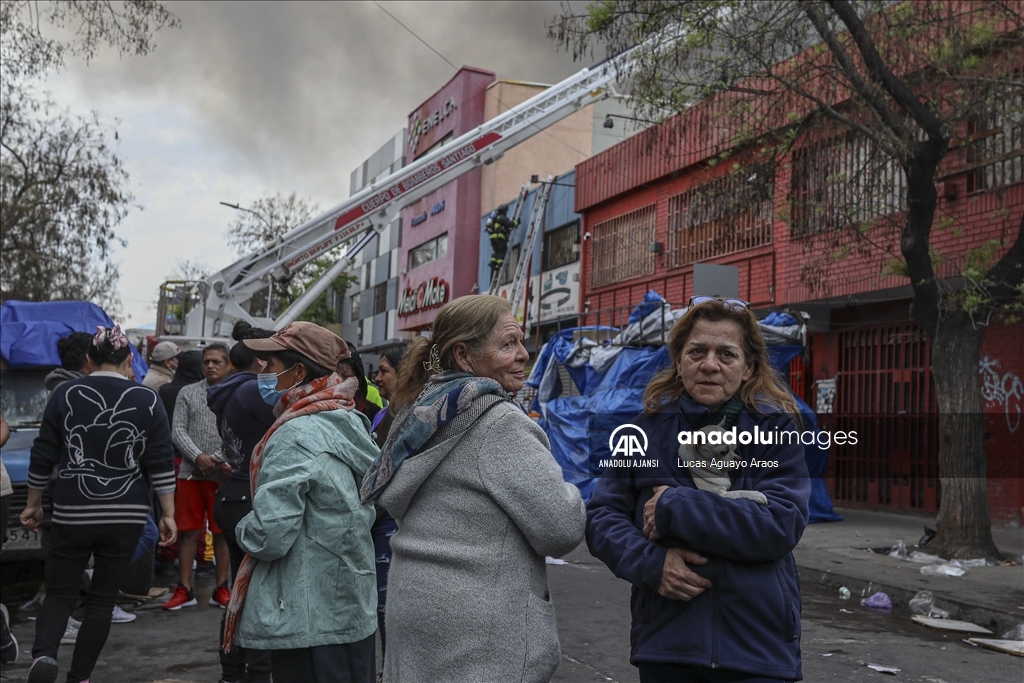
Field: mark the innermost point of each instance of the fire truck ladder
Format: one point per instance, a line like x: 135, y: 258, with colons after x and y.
x: 517, y: 292
x: 369, y: 211
x: 517, y: 212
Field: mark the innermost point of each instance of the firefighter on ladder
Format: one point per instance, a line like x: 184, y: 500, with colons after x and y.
x: 499, y: 226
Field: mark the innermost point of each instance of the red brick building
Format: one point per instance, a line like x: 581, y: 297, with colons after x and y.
x: 656, y: 204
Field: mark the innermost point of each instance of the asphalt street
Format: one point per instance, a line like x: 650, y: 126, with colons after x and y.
x: 840, y: 639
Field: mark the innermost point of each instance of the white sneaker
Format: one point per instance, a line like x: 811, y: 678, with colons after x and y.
x: 122, y: 617
x: 70, y: 634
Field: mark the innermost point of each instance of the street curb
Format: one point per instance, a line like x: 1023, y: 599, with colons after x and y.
x: 997, y: 620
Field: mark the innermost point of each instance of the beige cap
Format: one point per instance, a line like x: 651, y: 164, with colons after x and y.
x: 312, y: 341
x: 165, y: 350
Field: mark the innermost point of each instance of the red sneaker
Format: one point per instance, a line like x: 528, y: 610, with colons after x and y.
x: 182, y: 597
x: 221, y: 596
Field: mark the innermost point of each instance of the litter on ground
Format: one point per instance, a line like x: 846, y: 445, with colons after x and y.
x: 950, y: 625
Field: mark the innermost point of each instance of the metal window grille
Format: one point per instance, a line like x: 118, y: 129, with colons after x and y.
x: 996, y: 155
x: 884, y: 392
x: 560, y: 246
x: 726, y: 215
x: 841, y: 181
x: 622, y: 247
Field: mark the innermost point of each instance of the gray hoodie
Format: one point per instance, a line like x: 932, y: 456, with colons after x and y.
x: 477, y: 510
x: 58, y: 376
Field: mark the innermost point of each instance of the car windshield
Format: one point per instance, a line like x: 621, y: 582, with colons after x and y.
x: 23, y: 396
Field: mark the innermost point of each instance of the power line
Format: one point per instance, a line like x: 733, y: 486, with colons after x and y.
x: 414, y: 35
x: 500, y: 104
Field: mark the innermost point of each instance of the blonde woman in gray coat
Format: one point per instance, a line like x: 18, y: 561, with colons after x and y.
x: 479, y: 502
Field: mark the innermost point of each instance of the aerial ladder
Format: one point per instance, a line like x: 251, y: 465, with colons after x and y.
x: 225, y: 295
x: 517, y: 213
x: 517, y: 292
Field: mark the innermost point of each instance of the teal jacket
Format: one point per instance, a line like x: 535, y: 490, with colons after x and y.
x: 315, y: 582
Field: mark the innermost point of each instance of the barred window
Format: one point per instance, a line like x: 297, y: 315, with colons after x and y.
x: 560, y: 246
x: 726, y: 215
x: 996, y: 154
x: 622, y: 247
x: 841, y: 181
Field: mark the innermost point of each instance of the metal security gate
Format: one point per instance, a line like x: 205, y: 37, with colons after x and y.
x: 884, y: 392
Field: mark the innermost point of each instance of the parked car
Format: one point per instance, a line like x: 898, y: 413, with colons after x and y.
x: 28, y: 352
x: 22, y: 399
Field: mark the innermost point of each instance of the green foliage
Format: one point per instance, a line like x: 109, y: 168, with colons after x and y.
x: 320, y: 311
x: 267, y: 220
x: 978, y: 260
x: 895, y: 266
x: 601, y: 15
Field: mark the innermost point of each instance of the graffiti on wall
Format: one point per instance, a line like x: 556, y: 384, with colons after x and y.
x: 1007, y: 390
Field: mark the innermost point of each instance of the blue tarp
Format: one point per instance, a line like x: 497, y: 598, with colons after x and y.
x: 29, y: 331
x: 578, y: 427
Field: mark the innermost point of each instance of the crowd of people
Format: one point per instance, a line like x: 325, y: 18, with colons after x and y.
x: 419, y: 507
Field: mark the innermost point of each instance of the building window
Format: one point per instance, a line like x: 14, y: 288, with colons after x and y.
x: 354, y: 308
x: 512, y: 259
x: 561, y: 246
x: 380, y: 298
x: 995, y: 151
x: 428, y: 251
x: 622, y: 247
x: 726, y: 215
x: 842, y: 181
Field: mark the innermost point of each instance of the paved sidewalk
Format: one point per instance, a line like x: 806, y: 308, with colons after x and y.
x: 835, y: 554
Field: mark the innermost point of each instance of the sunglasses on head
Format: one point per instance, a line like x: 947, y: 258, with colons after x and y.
x: 735, y: 304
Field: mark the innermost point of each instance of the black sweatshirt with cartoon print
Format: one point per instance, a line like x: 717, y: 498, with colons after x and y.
x: 107, y: 436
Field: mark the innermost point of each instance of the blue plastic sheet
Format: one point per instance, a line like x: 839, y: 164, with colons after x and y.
x: 579, y: 427
x: 30, y: 330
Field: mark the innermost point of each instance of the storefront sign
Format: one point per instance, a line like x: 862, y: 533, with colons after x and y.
x: 422, y: 126
x: 560, y: 292
x: 430, y: 294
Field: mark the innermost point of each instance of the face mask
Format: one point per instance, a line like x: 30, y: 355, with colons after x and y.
x: 267, y: 384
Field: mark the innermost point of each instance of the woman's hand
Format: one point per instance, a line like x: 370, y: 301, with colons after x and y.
x: 678, y: 582
x: 649, y: 507
x: 168, y: 530
x: 31, y: 517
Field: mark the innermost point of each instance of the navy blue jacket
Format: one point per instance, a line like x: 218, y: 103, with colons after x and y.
x: 243, y: 417
x: 749, y: 619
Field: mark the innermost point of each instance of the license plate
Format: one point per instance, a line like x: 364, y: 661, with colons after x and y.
x: 19, y: 539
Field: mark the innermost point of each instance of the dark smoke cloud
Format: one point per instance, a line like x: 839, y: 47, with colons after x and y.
x: 301, y: 93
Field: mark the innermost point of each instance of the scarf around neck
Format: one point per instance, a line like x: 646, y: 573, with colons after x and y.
x: 327, y: 393
x: 442, y: 399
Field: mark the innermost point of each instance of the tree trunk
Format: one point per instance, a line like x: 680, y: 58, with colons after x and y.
x: 964, y: 527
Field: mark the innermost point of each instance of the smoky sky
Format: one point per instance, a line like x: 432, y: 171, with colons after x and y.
x: 301, y: 93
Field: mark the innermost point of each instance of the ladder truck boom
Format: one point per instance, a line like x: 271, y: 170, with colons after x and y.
x: 373, y: 208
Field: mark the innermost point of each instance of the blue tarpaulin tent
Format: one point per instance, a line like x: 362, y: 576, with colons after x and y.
x: 578, y: 427
x: 29, y: 331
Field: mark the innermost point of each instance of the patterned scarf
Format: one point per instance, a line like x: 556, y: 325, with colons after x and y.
x: 327, y: 393
x: 444, y: 396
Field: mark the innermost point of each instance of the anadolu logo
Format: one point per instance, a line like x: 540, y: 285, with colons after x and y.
x: 628, y: 441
